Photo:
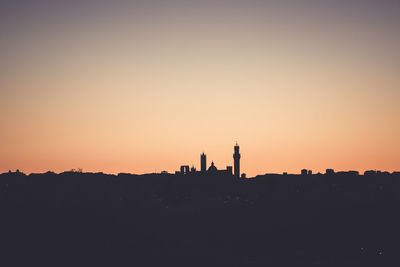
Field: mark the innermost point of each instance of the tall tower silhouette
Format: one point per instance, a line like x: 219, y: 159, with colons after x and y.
x: 203, y: 162
x: 236, y: 162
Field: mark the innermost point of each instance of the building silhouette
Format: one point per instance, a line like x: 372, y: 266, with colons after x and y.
x: 203, y: 163
x: 213, y: 170
x: 236, y: 161
x: 193, y: 169
x: 229, y: 169
x: 184, y: 169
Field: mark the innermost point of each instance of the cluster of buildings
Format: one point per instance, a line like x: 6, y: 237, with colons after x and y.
x: 235, y: 170
x: 212, y: 169
x: 329, y: 172
x: 354, y: 173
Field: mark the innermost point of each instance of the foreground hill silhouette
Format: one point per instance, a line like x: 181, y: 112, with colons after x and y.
x: 93, y: 219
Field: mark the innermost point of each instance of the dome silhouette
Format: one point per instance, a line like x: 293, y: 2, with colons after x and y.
x: 212, y: 168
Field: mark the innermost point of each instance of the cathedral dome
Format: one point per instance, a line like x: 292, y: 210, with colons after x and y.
x: 212, y: 168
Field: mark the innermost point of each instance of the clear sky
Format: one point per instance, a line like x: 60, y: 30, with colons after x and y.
x: 144, y: 86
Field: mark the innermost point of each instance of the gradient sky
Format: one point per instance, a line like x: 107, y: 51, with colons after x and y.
x: 145, y: 86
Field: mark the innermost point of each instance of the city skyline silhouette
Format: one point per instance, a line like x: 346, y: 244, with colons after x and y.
x: 234, y: 169
x: 134, y: 86
x: 198, y: 133
x: 197, y: 219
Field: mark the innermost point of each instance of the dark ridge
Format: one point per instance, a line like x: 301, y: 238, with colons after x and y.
x: 92, y: 219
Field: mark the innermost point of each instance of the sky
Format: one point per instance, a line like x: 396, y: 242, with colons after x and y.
x: 147, y: 86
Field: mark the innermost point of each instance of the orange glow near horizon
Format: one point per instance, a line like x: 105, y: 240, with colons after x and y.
x: 143, y: 89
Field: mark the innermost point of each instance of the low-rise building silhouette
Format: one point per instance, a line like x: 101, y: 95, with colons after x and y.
x: 184, y: 169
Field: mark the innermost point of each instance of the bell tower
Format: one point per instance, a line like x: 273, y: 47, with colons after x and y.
x: 203, y: 163
x: 236, y: 162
